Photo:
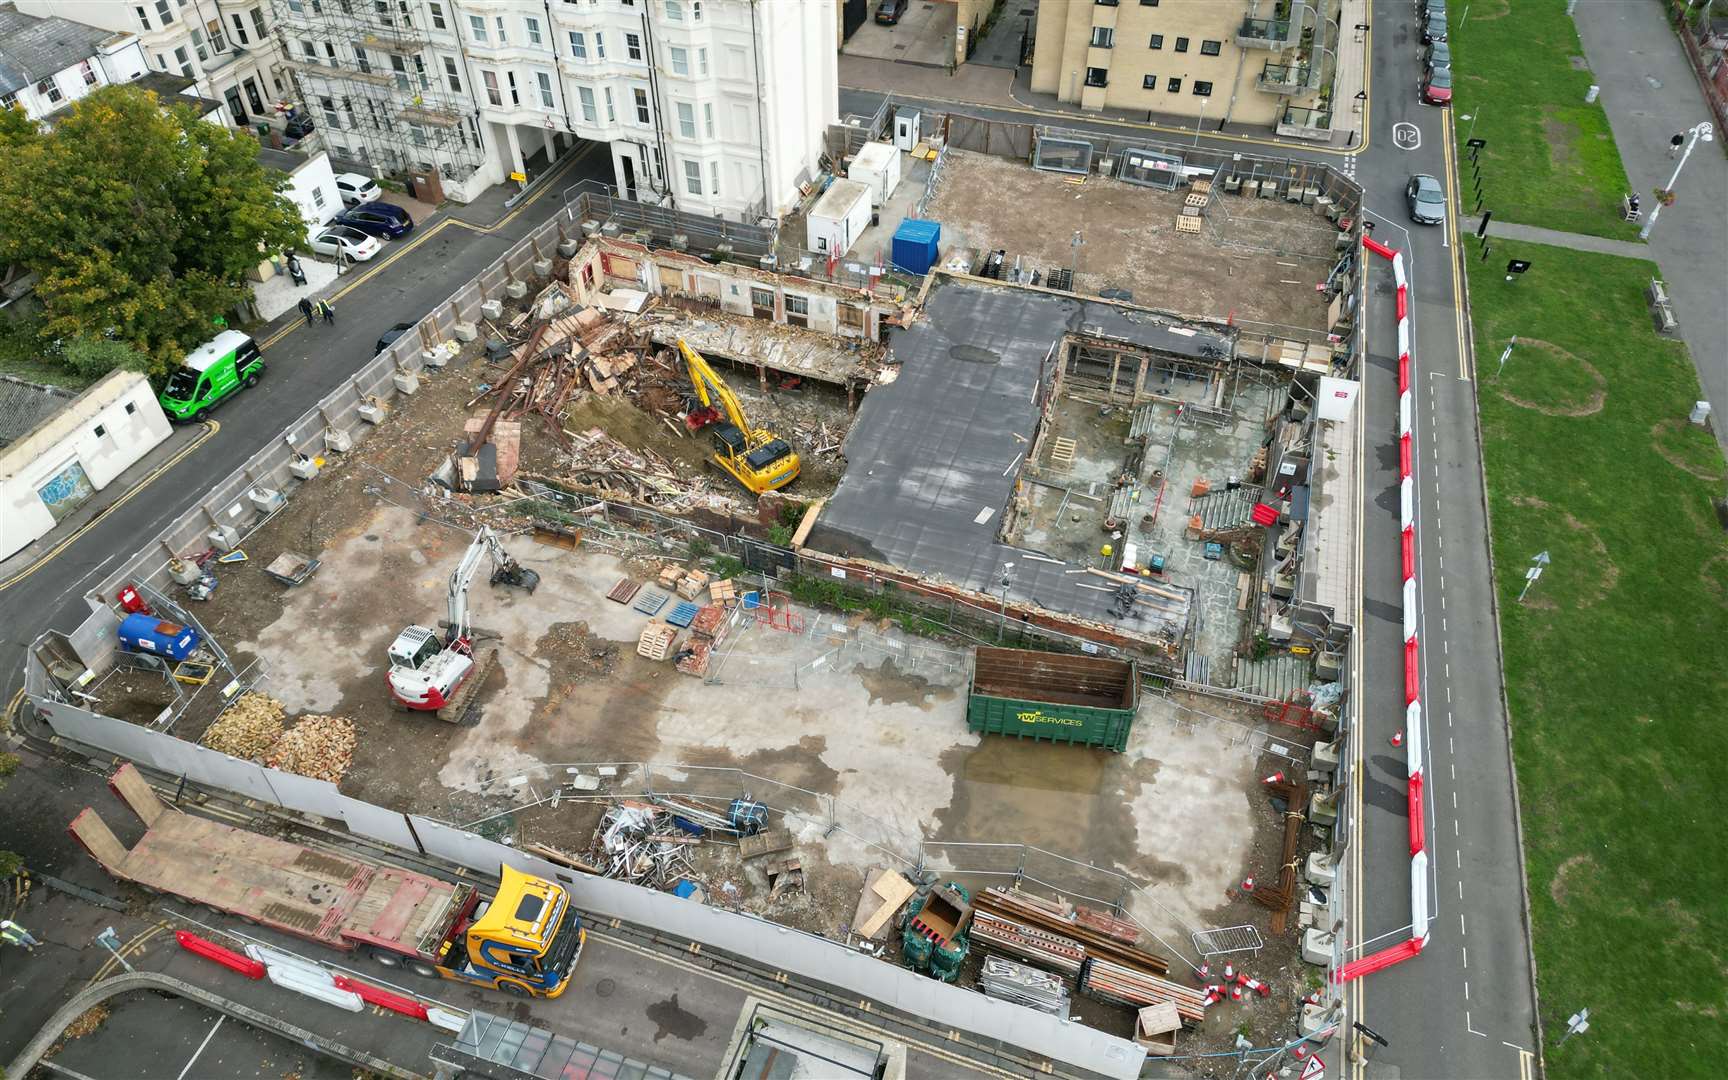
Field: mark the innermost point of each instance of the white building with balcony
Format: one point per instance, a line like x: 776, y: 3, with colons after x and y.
x: 711, y: 106
x: 225, y: 46
x: 46, y: 63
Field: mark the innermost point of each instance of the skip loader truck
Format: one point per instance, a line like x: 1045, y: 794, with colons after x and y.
x: 524, y: 938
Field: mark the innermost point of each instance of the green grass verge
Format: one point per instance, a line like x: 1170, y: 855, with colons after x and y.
x: 1617, y: 665
x: 1550, y: 159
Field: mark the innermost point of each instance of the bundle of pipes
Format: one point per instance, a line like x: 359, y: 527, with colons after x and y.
x: 1119, y: 985
x: 1282, y: 896
x: 1059, y: 918
x: 1047, y: 950
x: 1024, y: 986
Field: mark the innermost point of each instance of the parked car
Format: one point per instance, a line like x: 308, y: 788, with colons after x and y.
x: 888, y: 12
x: 386, y: 221
x: 1430, y: 8
x: 1437, y: 86
x: 357, y: 189
x: 388, y: 337
x: 299, y: 126
x: 1433, y: 28
x: 342, y: 240
x: 1426, y: 199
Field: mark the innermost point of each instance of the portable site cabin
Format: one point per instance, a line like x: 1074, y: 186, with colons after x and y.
x: 877, y: 166
x: 839, y: 217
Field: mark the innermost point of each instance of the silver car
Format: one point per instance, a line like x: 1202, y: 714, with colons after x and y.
x: 1426, y: 199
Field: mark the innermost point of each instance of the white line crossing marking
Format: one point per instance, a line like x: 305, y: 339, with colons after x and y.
x: 1466, y: 953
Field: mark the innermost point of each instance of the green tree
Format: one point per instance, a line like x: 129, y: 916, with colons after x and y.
x: 93, y: 358
x: 142, y: 220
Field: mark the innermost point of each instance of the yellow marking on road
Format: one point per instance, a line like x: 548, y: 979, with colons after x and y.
x: 1460, y: 307
x: 396, y: 252
x: 211, y: 427
x: 130, y: 949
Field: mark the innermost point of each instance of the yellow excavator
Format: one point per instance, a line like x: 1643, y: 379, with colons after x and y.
x: 755, y: 457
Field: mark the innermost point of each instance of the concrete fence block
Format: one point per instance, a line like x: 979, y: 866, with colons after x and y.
x: 516, y: 290
x: 568, y: 248
x: 542, y: 268
x: 465, y: 331
x: 372, y: 413
x: 338, y: 441
x: 407, y: 383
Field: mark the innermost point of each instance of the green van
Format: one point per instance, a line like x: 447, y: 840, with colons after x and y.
x: 215, y: 370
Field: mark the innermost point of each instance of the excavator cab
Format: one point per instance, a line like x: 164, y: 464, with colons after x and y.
x: 756, y: 457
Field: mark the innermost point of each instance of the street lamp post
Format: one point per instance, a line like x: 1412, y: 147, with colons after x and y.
x: 1200, y: 121
x: 1699, y: 131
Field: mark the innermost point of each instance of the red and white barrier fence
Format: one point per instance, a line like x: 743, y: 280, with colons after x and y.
x: 1410, y: 737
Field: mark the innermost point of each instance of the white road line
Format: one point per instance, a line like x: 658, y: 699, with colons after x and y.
x: 1454, y: 799
x: 1458, y: 861
x: 1453, y: 767
x: 1514, y: 1046
x: 1446, y: 647
x: 1466, y: 989
x: 200, y: 1051
x: 1442, y: 621
x: 1455, y: 833
x: 1449, y: 749
x: 1448, y: 695
x: 1466, y: 954
x: 1460, y: 882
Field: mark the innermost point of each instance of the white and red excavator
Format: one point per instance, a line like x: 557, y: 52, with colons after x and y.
x: 442, y: 673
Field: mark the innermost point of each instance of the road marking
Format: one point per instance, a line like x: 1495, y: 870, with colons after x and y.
x: 196, y: 1054
x: 1460, y: 311
x: 211, y: 427
x: 1458, y: 863
x: 1406, y: 136
x: 1454, y: 800
x: 1466, y: 954
x: 1455, y: 831
x: 1460, y: 880
x: 1467, y: 1026
x: 1466, y: 989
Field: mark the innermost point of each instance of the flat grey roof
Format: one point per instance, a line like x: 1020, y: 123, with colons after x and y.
x: 933, y: 456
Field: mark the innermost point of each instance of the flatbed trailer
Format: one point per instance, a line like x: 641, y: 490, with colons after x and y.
x: 398, y: 917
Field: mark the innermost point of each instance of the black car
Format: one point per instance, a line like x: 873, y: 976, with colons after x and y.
x: 388, y: 337
x: 1433, y: 29
x: 299, y: 126
x: 888, y: 12
x: 386, y: 221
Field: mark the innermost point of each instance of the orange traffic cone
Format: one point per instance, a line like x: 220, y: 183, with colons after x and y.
x: 1275, y: 778
x: 1398, y: 737
x: 1247, y: 886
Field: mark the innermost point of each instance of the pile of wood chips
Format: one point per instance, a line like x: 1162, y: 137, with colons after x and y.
x: 321, y: 747
x: 249, y: 728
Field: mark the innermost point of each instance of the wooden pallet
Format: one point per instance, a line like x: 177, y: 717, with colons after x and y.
x: 650, y: 601
x: 1062, y: 451
x: 682, y: 614
x: 656, y: 641
x: 723, y: 590
x: 624, y: 592
x: 1188, y: 225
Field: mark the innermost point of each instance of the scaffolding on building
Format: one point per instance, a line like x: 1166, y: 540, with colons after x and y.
x: 366, y: 74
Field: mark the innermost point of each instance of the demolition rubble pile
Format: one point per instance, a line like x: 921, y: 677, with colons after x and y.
x: 320, y: 747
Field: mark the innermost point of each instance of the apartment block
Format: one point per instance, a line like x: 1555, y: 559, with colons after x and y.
x: 226, y: 47
x: 1261, y: 62
x: 46, y: 63
x: 710, y: 106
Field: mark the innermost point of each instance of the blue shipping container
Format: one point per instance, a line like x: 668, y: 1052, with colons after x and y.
x: 147, y: 633
x: 916, y: 245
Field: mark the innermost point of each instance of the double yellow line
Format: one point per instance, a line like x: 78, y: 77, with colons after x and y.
x: 1460, y: 306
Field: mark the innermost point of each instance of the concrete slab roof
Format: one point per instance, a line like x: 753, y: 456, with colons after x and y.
x: 933, y: 457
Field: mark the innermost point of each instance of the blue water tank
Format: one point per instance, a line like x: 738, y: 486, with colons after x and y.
x: 916, y: 245
x: 150, y: 634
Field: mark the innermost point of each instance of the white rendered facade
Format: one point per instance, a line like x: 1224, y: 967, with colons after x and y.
x: 225, y: 46
x: 712, y: 106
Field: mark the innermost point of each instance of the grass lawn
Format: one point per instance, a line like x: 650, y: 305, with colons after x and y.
x: 1550, y: 159
x: 1617, y: 665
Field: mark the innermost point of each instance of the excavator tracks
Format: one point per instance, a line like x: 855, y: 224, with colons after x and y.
x: 464, y: 708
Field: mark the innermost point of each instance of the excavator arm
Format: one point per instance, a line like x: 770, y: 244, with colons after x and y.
x: 711, y: 388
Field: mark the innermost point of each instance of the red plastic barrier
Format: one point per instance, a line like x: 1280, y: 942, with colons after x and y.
x: 1403, y: 302
x: 1418, y: 823
x: 1379, y: 961
x: 377, y: 995
x: 1404, y: 454
x: 1377, y: 247
x: 1407, y: 542
x: 228, y: 958
x: 1412, y: 672
x: 1404, y: 373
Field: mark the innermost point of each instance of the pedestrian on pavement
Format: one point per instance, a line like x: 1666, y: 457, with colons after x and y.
x: 13, y: 934
x: 1674, y: 146
x: 295, y: 271
x: 306, y: 310
x: 329, y: 312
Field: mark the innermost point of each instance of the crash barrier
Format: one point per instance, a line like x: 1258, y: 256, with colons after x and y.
x: 1411, y: 734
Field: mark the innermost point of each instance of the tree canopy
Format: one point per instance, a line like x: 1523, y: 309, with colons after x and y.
x: 141, y: 218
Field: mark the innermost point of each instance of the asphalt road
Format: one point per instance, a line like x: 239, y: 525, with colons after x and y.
x: 304, y: 364
x: 1465, y: 1007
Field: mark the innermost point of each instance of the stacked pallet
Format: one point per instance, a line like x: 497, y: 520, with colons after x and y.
x: 656, y: 640
x: 1119, y: 985
x: 1052, y: 951
x: 692, y: 584
x: 1022, y: 985
x: 1059, y: 918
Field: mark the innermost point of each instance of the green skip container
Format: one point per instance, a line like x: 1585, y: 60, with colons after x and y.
x: 1052, y: 697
